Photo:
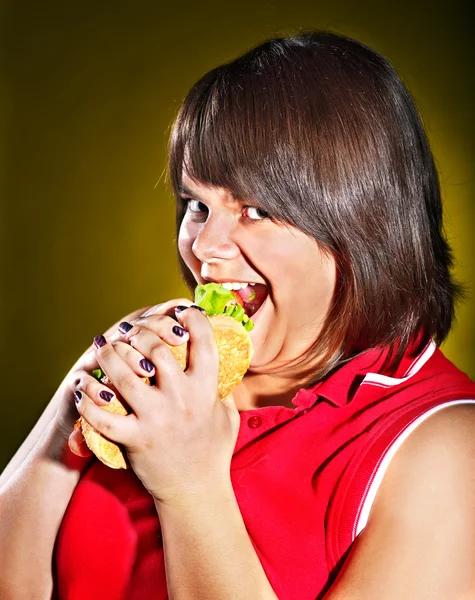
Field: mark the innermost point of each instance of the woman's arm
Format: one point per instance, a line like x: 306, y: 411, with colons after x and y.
x: 420, y: 538
x: 208, y: 553
x: 419, y: 541
x: 35, y: 489
x: 180, y: 439
x: 32, y: 505
x: 25, y: 451
x: 86, y: 362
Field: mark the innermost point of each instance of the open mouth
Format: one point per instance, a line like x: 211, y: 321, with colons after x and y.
x: 252, y: 297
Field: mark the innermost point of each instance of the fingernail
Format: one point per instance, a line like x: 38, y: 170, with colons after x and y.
x: 147, y: 365
x: 179, y: 331
x: 198, y: 307
x: 77, y: 396
x: 106, y: 395
x: 125, y: 327
x: 100, y: 341
x: 179, y: 309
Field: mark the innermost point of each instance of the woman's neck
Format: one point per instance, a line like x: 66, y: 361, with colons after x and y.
x: 260, y: 389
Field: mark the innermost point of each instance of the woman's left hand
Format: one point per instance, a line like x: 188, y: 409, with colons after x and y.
x: 180, y: 437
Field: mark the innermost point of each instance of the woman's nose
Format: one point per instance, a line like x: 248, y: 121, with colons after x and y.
x: 215, y: 240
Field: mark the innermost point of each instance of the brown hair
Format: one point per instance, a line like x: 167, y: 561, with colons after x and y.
x: 321, y: 132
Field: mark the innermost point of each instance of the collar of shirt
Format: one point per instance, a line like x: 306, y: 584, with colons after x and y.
x: 339, y: 387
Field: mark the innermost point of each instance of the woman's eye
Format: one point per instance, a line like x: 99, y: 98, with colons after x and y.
x: 256, y: 214
x: 252, y: 213
x: 195, y: 206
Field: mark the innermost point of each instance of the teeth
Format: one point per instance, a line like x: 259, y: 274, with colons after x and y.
x: 235, y: 285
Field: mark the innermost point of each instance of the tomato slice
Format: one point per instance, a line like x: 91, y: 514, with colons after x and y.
x: 236, y: 294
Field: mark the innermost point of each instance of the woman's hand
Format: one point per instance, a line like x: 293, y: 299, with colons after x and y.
x: 66, y: 414
x: 180, y: 436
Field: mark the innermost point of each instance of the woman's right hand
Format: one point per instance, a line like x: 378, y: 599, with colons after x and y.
x: 67, y: 415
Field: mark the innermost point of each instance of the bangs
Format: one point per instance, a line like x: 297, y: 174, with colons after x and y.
x: 241, y: 128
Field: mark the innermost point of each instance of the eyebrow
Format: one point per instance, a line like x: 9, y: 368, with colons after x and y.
x: 187, y: 192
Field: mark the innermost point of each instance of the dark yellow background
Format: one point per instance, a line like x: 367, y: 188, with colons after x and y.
x: 90, y: 90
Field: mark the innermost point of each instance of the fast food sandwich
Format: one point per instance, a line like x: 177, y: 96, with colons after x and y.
x: 231, y: 328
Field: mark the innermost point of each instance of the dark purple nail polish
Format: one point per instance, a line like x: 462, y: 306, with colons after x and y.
x: 179, y: 309
x: 125, y: 327
x: 100, y: 341
x: 106, y: 395
x: 198, y: 307
x: 77, y: 396
x: 179, y: 331
x: 147, y: 365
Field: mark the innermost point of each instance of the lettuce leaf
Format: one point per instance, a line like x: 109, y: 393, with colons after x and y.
x: 213, y: 297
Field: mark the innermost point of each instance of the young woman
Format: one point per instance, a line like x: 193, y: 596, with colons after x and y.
x: 342, y: 466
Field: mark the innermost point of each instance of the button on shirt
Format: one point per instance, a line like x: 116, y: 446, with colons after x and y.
x: 300, y: 475
x: 254, y: 422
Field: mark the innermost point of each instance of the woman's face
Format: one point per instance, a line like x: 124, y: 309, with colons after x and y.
x: 224, y: 240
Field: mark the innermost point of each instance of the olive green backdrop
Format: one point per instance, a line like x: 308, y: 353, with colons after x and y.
x: 91, y: 89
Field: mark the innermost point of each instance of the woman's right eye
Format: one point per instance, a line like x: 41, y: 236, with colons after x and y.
x: 195, y: 206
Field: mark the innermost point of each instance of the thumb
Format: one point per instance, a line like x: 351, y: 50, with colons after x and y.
x: 230, y: 404
x: 77, y: 444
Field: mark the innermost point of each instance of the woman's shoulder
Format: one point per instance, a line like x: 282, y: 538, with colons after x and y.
x: 437, y: 457
x: 421, y: 525
x: 454, y: 420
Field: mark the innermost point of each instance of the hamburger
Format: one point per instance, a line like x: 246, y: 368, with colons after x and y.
x: 231, y: 326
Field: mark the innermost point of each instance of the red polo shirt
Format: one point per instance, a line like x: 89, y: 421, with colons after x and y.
x: 304, y: 479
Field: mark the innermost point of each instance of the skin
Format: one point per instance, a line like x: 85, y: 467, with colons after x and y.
x: 420, y: 538
x: 180, y: 440
x: 222, y: 240
x: 37, y: 484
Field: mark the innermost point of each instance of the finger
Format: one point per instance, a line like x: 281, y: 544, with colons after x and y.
x: 162, y: 326
x: 118, y: 428
x: 158, y: 353
x: 230, y: 404
x: 167, y: 308
x: 133, y: 316
x: 130, y: 387
x: 134, y: 358
x: 88, y: 360
x: 77, y: 444
x: 203, y: 354
x: 109, y: 333
x: 97, y: 391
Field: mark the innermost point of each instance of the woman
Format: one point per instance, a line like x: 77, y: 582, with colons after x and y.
x: 332, y: 470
